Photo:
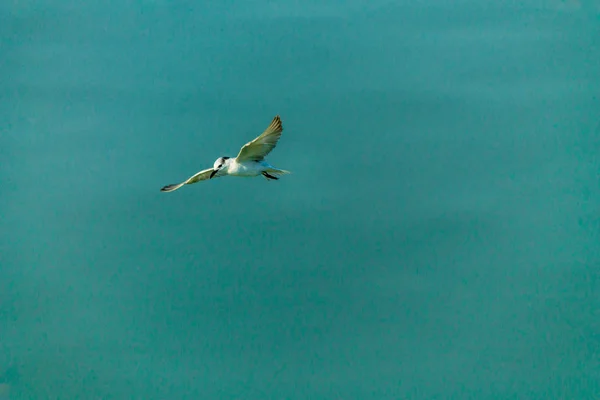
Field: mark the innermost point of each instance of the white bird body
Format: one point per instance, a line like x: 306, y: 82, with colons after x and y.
x: 249, y: 162
x: 246, y: 169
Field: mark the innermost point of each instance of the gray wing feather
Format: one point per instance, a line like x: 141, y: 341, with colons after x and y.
x: 200, y: 176
x: 258, y: 149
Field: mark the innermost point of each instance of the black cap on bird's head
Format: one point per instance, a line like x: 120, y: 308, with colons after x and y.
x: 218, y: 165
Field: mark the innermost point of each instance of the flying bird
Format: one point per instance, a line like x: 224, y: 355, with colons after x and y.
x: 250, y: 161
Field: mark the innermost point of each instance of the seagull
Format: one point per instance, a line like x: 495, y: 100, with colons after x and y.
x: 250, y: 161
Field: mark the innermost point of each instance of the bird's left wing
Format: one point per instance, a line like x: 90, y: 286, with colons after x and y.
x: 200, y: 176
x: 257, y: 149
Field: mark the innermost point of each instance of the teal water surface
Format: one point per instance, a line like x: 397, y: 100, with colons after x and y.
x: 438, y: 237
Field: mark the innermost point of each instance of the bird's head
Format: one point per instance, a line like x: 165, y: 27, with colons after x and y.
x: 219, y: 165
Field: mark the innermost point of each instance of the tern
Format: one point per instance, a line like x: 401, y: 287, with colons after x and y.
x: 250, y: 161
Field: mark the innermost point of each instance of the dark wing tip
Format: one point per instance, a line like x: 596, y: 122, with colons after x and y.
x: 276, y: 124
x: 168, y: 188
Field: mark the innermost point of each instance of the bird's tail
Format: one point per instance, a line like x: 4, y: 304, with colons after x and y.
x: 277, y: 171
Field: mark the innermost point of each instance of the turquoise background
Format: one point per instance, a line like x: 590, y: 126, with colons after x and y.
x: 438, y: 237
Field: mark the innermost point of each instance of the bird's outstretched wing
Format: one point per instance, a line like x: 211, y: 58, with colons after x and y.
x: 200, y: 176
x: 257, y: 149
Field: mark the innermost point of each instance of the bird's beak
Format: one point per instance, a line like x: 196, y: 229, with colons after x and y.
x: 213, y: 173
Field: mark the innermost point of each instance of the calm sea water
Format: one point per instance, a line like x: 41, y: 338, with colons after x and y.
x: 438, y: 238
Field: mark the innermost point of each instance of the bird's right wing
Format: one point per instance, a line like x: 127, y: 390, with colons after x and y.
x: 257, y: 149
x: 200, y: 176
